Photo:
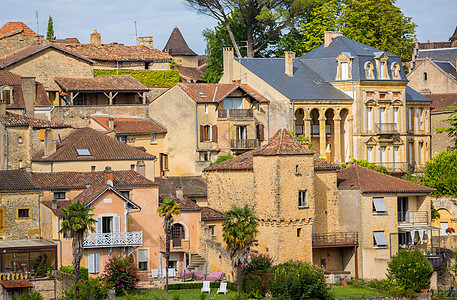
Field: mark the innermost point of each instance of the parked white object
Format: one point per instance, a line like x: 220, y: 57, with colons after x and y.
x: 206, y: 287
x: 222, y: 288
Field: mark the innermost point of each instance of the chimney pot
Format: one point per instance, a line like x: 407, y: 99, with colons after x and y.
x: 329, y: 36
x: 111, y: 123
x: 289, y: 62
x: 146, y: 41
x: 179, y: 192
x: 228, y: 64
x: 109, y: 175
x: 96, y: 38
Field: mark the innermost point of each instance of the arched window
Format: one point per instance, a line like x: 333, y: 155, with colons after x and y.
x: 395, y: 70
x: 369, y: 70
x: 425, y: 76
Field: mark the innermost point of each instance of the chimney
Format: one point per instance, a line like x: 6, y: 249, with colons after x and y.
x: 289, y: 61
x: 228, y: 65
x: 54, y: 203
x: 96, y: 38
x: 109, y: 175
x: 29, y: 95
x: 141, y: 168
x: 179, y: 192
x: 147, y: 41
x: 2, y: 107
x: 111, y: 123
x: 329, y: 36
x: 49, y: 143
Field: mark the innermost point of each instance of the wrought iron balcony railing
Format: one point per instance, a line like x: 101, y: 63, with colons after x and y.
x: 121, y: 239
x: 335, y: 239
x: 413, y: 217
x: 235, y: 113
x: 244, y: 144
x: 386, y: 128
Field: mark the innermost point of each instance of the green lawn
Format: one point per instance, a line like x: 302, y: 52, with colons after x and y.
x: 355, y: 292
x: 190, y: 294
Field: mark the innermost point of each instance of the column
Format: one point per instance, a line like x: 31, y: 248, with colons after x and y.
x: 322, y: 140
x: 307, y: 123
x: 337, y: 138
x: 351, y: 140
x: 110, y: 98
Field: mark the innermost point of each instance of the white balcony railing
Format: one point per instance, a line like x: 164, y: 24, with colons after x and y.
x: 121, y: 239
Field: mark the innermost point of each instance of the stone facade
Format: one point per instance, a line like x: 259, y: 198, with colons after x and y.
x: 15, y: 42
x: 428, y: 78
x: 20, y: 215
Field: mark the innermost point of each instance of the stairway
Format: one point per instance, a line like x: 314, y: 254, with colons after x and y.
x: 197, y: 263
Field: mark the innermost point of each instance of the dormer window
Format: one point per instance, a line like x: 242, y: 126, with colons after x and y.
x: 344, y: 70
x: 369, y: 70
x: 83, y: 152
x: 344, y: 66
x: 5, y: 95
x: 396, y: 70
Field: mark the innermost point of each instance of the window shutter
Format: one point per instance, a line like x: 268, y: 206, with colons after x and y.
x: 202, y: 133
x: 214, y: 134
x: 261, y: 132
x: 117, y: 224
x: 97, y: 262
x: 99, y: 225
x: 90, y: 262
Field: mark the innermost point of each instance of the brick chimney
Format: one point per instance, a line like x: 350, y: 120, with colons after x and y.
x: 111, y: 123
x: 96, y: 38
x: 29, y: 95
x: 289, y: 61
x: 109, y: 175
x: 329, y: 36
x: 228, y: 64
x: 49, y: 143
x: 147, y: 41
x: 179, y: 192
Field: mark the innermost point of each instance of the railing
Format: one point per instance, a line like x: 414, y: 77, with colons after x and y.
x: 235, y: 113
x: 121, y: 239
x: 335, y: 239
x: 413, y: 217
x: 244, y: 144
x: 386, y: 128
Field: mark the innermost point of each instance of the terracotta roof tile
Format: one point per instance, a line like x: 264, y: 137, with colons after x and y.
x: 213, y: 92
x: 176, y: 45
x: 370, y: 181
x: 440, y: 101
x: 101, y: 83
x: 16, y: 180
x: 185, y: 204
x: 211, y: 214
x: 189, y: 73
x: 67, y: 41
x: 11, y: 284
x: 100, y: 146
x: 15, y: 26
x: 8, y: 34
x: 14, y: 81
x: 11, y: 119
x: 130, y: 125
x: 193, y: 186
x: 60, y: 204
x: 90, y: 193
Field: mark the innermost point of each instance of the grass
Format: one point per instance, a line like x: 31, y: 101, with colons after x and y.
x: 183, y: 295
x: 355, y: 292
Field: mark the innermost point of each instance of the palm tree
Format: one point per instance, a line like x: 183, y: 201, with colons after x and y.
x: 239, y: 232
x: 167, y: 209
x: 77, y: 219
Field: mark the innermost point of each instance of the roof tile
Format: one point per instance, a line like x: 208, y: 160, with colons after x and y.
x: 440, y: 101
x: 176, y: 45
x: 192, y: 185
x: 126, y: 125
x: 11, y: 27
x: 183, y: 203
x: 16, y: 180
x: 11, y: 119
x: 14, y: 81
x: 211, y: 92
x: 101, y: 83
x: 211, y: 214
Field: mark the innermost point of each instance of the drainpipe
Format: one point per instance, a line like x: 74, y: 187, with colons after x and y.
x: 127, y: 217
x: 7, y: 143
x: 268, y: 120
x: 196, y: 126
x: 39, y: 215
x: 293, y: 117
x: 59, y: 240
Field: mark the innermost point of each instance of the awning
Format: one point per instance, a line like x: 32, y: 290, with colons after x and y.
x: 409, y: 227
x: 16, y: 284
x: 380, y: 238
x: 379, y: 205
x: 26, y: 244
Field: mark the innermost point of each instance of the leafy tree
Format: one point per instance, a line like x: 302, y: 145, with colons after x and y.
x: 50, y: 34
x: 77, y: 219
x: 365, y: 164
x: 121, y: 273
x: 441, y: 173
x: 239, y: 232
x: 167, y: 209
x: 452, y: 121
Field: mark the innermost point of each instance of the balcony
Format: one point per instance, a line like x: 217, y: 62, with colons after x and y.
x: 412, y: 217
x: 121, y: 239
x: 386, y: 128
x: 335, y: 239
x: 244, y: 144
x: 235, y: 113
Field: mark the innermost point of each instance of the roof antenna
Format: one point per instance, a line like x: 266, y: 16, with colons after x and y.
x: 136, y: 34
x: 37, y: 29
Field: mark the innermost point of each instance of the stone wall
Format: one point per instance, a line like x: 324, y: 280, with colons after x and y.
x: 16, y: 227
x: 326, y: 212
x: 15, y: 42
x: 441, y: 141
x: 155, y: 92
x: 131, y: 65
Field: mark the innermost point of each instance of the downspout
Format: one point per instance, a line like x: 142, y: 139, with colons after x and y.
x: 293, y: 117
x: 268, y: 120
x: 127, y: 218
x: 39, y: 215
x: 59, y: 240
x: 7, y: 143
x: 196, y: 126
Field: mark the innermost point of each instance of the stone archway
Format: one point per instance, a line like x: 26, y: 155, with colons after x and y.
x: 299, y: 122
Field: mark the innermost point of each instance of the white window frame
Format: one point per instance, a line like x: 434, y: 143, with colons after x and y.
x: 379, y: 207
x: 153, y: 139
x: 93, y: 263
x: 302, y: 199
x: 368, y: 118
x: 379, y: 239
x: 143, y: 257
x: 369, y: 153
x: 410, y: 152
x: 344, y: 70
x: 410, y: 118
x: 395, y: 115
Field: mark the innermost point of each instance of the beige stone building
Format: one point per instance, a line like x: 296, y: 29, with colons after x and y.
x: 349, y: 98
x: 207, y: 120
x: 177, y: 47
x: 17, y: 35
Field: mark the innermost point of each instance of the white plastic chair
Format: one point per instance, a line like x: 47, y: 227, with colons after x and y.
x: 222, y: 288
x: 154, y: 273
x: 206, y: 287
x: 171, y: 272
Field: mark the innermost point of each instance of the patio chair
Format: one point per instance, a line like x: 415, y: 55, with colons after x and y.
x: 154, y: 274
x: 171, y: 272
x: 206, y: 287
x: 222, y: 288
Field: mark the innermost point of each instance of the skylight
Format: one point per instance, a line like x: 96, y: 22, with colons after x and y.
x: 83, y: 152
x: 201, y: 94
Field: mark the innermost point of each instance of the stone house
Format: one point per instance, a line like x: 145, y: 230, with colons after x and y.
x: 88, y: 150
x: 349, y: 98
x: 138, y: 132
x: 207, y: 120
x: 193, y: 187
x: 17, y: 35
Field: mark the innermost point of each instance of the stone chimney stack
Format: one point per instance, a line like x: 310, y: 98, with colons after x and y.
x: 141, y: 168
x: 111, y: 123
x: 29, y: 95
x: 228, y: 64
x: 147, y: 41
x: 2, y: 107
x: 329, y: 36
x: 289, y: 61
x: 49, y: 143
x: 54, y: 203
x: 179, y: 192
x: 96, y: 38
x: 109, y: 175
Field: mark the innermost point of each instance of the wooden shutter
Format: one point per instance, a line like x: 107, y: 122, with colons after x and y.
x: 202, y: 130
x: 214, y: 133
x: 91, y: 262
x: 97, y: 262
x: 261, y: 136
x: 117, y: 224
x: 99, y: 225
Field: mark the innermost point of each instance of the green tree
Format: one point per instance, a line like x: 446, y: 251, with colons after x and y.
x: 50, y: 34
x: 239, y: 233
x: 452, y: 121
x: 77, y: 219
x: 222, y: 158
x: 167, y: 209
x: 441, y: 173
x: 365, y: 164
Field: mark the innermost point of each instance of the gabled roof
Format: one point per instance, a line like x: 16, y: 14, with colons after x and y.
x: 11, y: 120
x: 454, y: 36
x: 356, y: 177
x: 189, y: 73
x: 14, y: 81
x: 413, y: 96
x: 13, y: 27
x: 99, y: 145
x: 16, y: 181
x: 176, y: 44
x: 216, y: 92
x: 130, y: 125
x: 184, y: 204
x: 193, y: 186
x: 440, y: 101
x: 443, y: 54
x: 447, y: 67
x: 93, y: 192
x: 109, y: 83
x: 211, y: 214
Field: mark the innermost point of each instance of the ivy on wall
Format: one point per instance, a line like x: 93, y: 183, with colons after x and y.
x: 149, y: 78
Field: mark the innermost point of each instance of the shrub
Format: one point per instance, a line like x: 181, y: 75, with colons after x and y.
x: 251, y: 285
x: 83, y: 272
x: 149, y: 78
x: 92, y: 289
x: 198, y: 285
x: 222, y: 158
x: 366, y: 164
x: 121, y: 273
x: 259, y: 263
x: 410, y: 270
x: 299, y: 280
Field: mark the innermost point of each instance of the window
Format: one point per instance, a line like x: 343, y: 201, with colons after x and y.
x: 143, y: 259
x: 122, y: 138
x: 381, y: 70
x: 425, y: 76
x: 19, y: 140
x: 369, y: 70
x: 93, y: 263
x: 344, y: 70
x: 368, y: 125
x: 132, y: 167
x: 126, y: 194
x: 302, y: 199
x: 83, y: 152
x: 206, y: 108
x: 410, y: 153
x: 382, y: 111
x: 153, y: 139
x: 379, y: 239
x: 233, y: 103
x: 410, y: 119
x: 259, y: 129
x: 163, y: 162
x: 382, y: 154
x: 92, y: 168
x: 419, y: 158
x: 395, y: 70
x: 20, y: 164
x: 6, y: 96
x: 108, y: 224
x: 395, y: 115
x: 395, y: 157
x: 23, y: 213
x: 59, y: 195
x: 212, y: 229
x: 205, y: 156
x: 241, y: 132
x: 205, y: 133
x: 369, y: 153
x: 382, y: 96
x: 419, y: 118
x: 298, y: 232
x: 379, y: 205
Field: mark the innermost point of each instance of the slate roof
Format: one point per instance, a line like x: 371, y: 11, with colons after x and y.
x: 100, y: 146
x: 14, y: 81
x: 189, y: 73
x: 440, y: 101
x: 412, y: 95
x: 11, y: 119
x: 16, y: 180
x: 193, y: 186
x: 185, y: 204
x: 116, y: 52
x: 211, y: 214
x: 176, y: 45
x: 370, y: 181
x: 130, y: 125
x: 447, y: 67
x: 12, y: 27
x: 443, y: 54
x: 216, y: 92
x: 79, y: 180
x: 111, y: 83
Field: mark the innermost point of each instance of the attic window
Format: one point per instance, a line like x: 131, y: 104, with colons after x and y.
x: 201, y: 94
x: 83, y: 152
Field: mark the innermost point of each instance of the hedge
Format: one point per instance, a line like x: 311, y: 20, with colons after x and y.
x: 149, y: 78
x: 83, y: 272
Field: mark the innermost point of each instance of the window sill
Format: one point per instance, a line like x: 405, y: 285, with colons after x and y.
x: 154, y: 143
x: 380, y: 213
x: 303, y: 207
x: 380, y: 247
